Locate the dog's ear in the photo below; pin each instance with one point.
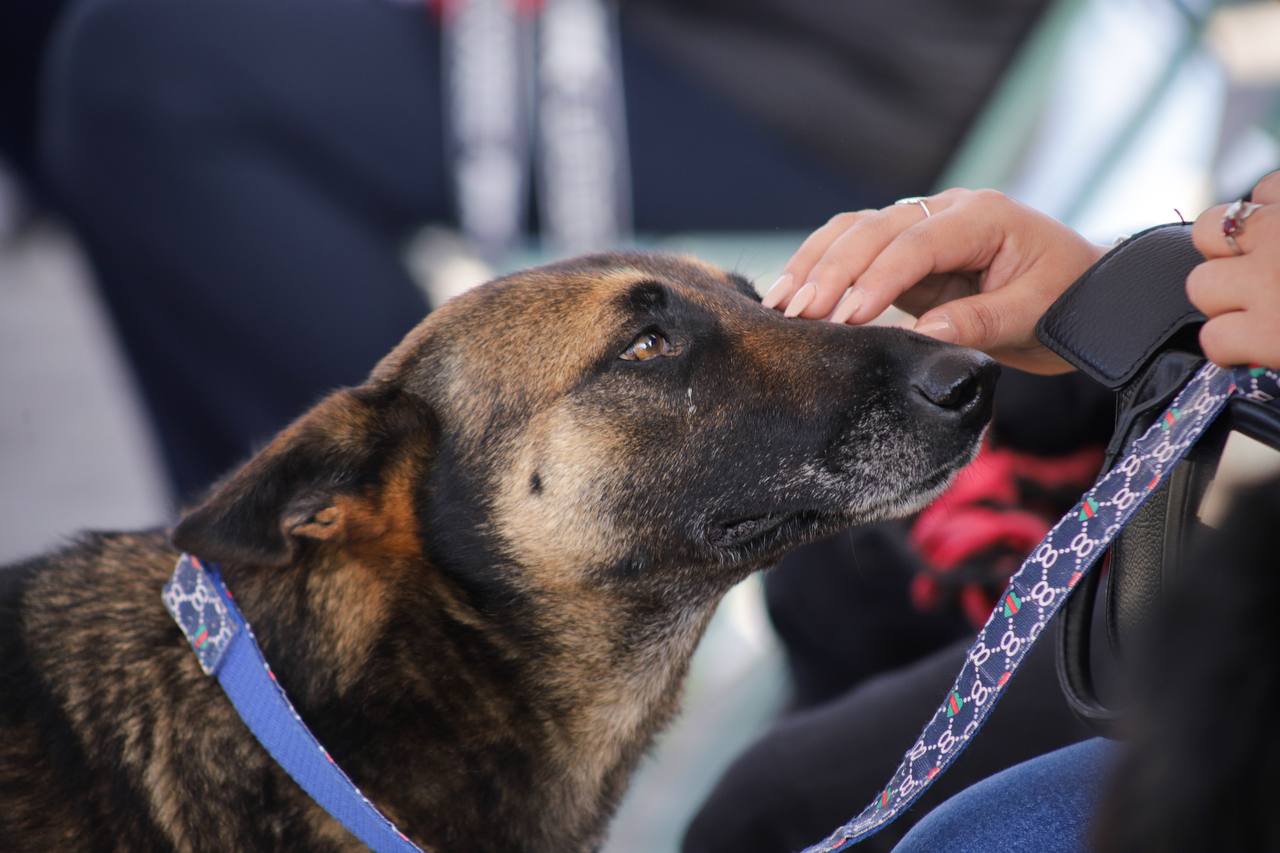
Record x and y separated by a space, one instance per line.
297 487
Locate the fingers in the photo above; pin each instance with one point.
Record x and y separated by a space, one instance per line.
1241 337
975 240
957 239
992 321
857 264
1267 190
1208 236
834 255
850 254
1206 233
1219 286
796 272
1241 298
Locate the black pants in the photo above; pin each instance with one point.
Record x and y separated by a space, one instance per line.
243 174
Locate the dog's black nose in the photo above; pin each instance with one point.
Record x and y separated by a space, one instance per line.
959 381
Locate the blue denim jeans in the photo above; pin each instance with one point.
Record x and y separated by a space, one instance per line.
1042 805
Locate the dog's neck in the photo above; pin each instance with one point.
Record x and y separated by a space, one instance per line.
481 711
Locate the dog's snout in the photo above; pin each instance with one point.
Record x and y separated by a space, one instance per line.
958 381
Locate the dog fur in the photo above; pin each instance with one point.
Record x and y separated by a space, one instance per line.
480 575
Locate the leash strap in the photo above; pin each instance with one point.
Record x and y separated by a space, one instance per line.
225 646
1043 583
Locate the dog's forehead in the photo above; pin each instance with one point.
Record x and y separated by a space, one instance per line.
540 328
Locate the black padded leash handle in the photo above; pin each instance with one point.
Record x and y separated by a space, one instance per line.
1128 324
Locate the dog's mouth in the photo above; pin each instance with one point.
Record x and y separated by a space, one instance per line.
763 532
771 532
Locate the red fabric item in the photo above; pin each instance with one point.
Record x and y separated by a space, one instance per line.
968 530
973 537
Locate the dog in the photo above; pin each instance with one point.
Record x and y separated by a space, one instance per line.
479 575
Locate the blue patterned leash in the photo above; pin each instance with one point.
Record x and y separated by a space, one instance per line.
1043 583
224 643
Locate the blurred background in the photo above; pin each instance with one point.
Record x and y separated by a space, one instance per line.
213 212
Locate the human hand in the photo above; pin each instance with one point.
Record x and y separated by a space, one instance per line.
1240 293
979 271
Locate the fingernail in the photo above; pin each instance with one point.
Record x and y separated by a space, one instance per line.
801 300
938 329
847 306
776 291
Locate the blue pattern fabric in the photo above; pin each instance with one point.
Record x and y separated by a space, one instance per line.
194 603
1044 581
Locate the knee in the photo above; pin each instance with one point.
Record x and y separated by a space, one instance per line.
104 57
117 72
1045 804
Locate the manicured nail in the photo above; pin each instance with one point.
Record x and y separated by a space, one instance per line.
801 300
939 328
774 294
847 306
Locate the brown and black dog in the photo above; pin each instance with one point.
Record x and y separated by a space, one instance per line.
481 574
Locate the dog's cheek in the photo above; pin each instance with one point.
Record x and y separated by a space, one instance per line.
555 498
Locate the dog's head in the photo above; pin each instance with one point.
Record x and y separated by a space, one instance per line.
618 419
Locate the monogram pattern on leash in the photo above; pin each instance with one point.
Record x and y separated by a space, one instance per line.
1043 582
204 609
195 605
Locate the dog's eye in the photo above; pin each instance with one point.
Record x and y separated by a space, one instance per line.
646 346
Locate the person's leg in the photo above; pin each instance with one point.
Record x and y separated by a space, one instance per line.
25 28
698 163
242 173
817 768
1044 805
